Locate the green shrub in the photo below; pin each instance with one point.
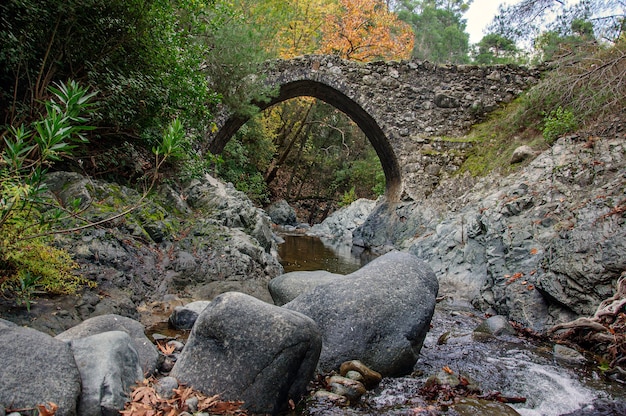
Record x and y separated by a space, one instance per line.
28 260
348 197
558 123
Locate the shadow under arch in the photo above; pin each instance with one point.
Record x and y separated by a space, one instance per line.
311 88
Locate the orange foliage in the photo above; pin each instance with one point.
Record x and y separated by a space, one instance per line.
365 30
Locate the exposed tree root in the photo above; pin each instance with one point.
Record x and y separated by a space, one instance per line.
604 333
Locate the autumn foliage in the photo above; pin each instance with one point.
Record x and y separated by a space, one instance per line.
364 30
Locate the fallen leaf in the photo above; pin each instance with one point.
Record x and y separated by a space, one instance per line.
166 349
44 411
448 370
533 251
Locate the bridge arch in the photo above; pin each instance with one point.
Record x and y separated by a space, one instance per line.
399 105
328 94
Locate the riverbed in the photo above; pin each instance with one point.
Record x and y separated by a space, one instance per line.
508 365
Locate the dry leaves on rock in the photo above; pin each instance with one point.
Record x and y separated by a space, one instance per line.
146 402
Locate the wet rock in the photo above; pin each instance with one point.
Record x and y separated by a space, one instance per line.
148 354
496 326
343 386
569 355
334 398
36 368
601 407
379 314
472 407
185 316
249 350
370 377
288 286
109 367
281 213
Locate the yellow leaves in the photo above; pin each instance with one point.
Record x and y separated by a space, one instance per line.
364 31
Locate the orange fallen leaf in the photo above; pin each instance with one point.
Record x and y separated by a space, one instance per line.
531 287
448 370
44 411
533 251
166 349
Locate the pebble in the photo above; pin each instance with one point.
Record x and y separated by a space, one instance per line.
343 386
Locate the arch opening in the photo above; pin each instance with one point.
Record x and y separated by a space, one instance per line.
335 98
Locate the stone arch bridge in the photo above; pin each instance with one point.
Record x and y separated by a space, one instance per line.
400 105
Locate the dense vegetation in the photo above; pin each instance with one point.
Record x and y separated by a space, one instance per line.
125 90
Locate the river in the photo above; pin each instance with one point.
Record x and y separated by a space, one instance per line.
510 365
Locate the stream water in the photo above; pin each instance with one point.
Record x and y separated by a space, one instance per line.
513 366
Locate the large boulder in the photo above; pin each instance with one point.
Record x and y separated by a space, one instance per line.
340 224
246 349
379 314
36 369
288 286
281 213
109 367
148 354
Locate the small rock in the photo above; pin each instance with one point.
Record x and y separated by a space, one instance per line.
192 403
496 326
355 375
570 355
370 377
178 346
185 316
167 364
350 389
165 387
522 153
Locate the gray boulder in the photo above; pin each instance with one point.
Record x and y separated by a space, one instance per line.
185 316
36 369
340 224
379 314
246 349
288 286
282 213
148 354
109 367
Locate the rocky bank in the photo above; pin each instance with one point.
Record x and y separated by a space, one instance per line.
541 246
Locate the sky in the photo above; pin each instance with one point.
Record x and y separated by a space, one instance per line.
480 14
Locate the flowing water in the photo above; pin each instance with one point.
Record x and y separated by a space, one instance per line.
509 365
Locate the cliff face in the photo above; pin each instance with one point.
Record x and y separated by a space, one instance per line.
543 245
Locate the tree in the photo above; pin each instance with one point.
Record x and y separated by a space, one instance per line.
302 33
364 30
495 49
527 19
143 57
439 29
